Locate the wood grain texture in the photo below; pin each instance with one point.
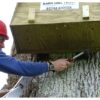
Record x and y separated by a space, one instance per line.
56 16
56 31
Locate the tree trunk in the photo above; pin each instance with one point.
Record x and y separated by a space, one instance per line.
81 79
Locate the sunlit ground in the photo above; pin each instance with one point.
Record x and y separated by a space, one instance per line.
3 79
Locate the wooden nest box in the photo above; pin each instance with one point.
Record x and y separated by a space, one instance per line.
54 30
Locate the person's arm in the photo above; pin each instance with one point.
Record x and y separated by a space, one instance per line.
11 65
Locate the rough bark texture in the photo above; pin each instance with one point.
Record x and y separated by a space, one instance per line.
82 79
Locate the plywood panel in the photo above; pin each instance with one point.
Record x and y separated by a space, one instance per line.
56 31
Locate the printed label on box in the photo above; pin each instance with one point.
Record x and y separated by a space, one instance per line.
59 5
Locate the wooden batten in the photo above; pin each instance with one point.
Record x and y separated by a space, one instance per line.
85 11
31 15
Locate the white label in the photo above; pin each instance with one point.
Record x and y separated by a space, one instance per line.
58 5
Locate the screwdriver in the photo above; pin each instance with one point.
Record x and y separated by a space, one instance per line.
76 56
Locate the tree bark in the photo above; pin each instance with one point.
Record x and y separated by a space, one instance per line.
81 79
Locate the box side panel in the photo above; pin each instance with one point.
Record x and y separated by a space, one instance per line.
57 37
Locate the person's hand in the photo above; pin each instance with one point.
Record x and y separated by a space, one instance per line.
60 64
